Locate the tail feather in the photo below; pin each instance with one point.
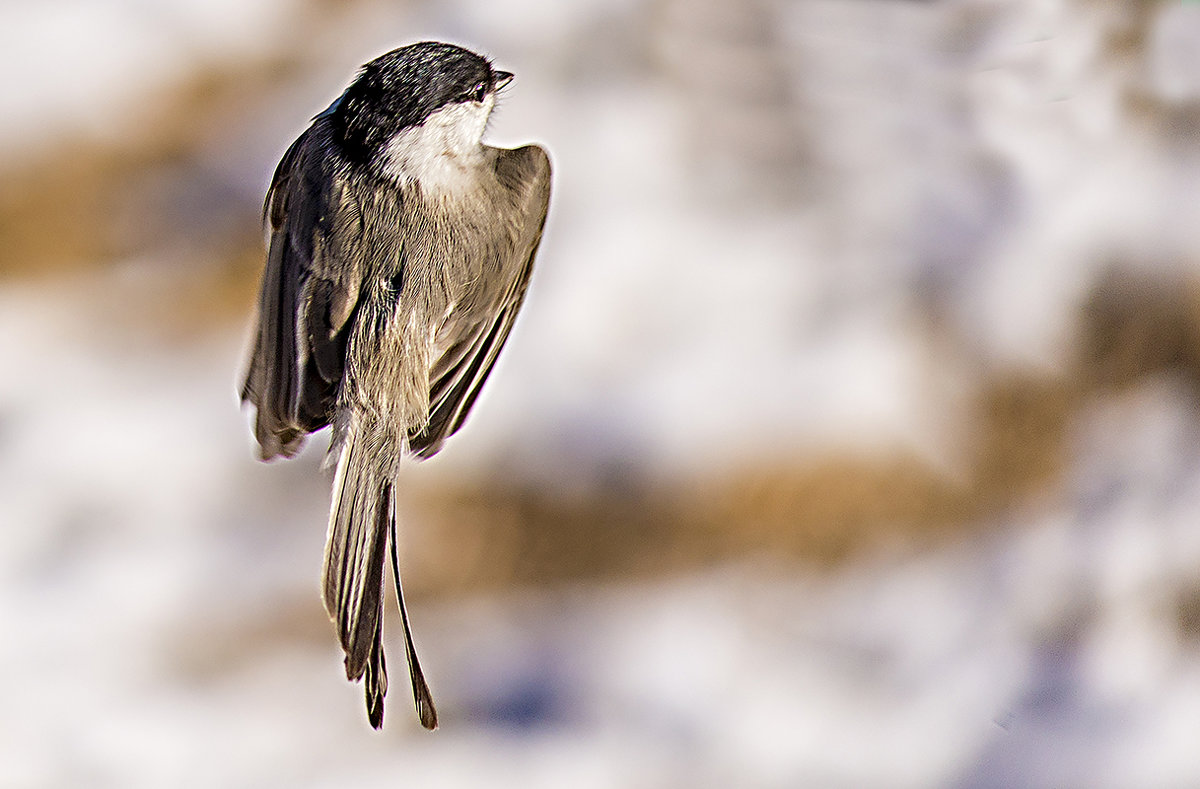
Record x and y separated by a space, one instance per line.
375 681
354 557
362 521
422 698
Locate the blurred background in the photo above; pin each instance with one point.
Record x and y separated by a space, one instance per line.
848 437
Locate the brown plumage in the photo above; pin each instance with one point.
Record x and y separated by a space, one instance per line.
400 252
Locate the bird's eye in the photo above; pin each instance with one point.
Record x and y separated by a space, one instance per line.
478 92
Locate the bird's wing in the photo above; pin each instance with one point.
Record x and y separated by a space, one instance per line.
458 375
306 302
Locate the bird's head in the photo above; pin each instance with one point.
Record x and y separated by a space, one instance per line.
429 93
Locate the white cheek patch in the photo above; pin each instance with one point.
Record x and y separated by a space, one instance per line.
438 153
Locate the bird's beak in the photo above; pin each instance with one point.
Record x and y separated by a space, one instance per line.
503 78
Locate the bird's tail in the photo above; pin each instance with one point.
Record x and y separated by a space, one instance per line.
362 521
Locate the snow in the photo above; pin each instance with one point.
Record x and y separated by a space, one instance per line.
89 65
158 587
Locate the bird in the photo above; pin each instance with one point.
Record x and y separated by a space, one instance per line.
399 252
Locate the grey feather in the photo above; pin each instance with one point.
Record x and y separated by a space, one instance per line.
384 306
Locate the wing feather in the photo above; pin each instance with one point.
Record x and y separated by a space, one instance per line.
458 376
304 312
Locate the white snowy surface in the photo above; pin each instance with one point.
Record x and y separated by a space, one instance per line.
146 561
91 66
144 556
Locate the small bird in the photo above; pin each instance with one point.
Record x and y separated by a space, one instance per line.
400 252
